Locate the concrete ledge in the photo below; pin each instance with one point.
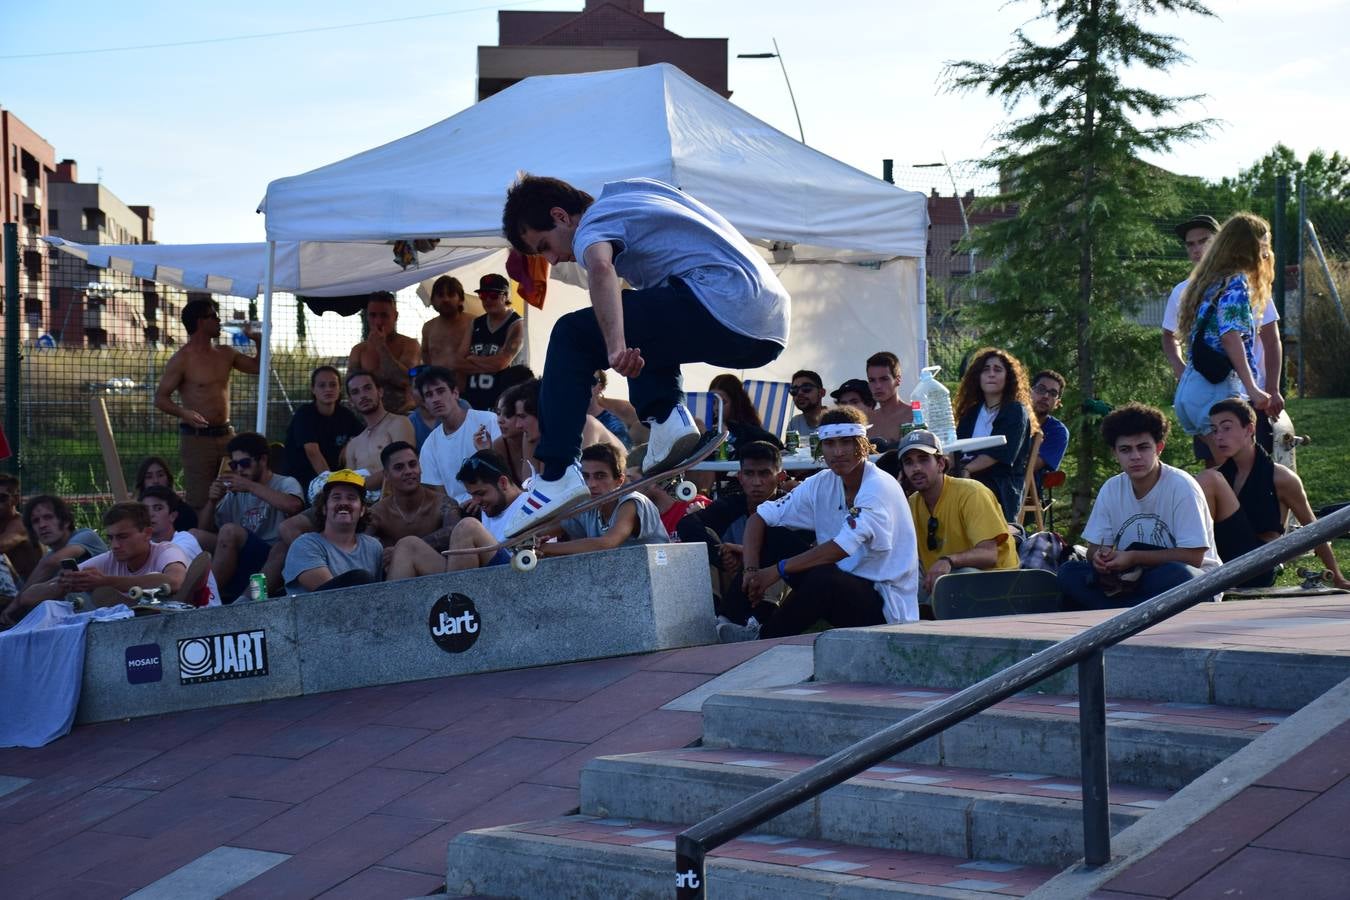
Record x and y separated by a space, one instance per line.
594 605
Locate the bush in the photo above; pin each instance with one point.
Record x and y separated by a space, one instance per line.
1324 333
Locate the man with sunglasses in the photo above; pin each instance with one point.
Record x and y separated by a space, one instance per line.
958 521
492 343
1047 391
808 393
245 508
385 353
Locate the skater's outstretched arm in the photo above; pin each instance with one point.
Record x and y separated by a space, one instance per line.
607 301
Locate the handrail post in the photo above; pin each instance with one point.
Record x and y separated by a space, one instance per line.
1092 743
691 875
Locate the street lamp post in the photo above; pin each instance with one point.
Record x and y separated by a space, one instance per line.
779 56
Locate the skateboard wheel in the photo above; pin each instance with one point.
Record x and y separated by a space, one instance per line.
134 592
686 490
524 560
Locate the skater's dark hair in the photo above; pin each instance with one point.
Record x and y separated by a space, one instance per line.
1134 418
485 467
132 511
528 202
1236 407
612 456
760 451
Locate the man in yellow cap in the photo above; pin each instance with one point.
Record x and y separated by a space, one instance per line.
336 555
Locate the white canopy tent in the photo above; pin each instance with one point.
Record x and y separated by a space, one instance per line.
849 247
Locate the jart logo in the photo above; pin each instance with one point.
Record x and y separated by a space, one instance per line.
143 664
222 657
454 623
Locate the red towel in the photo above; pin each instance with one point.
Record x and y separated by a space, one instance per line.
530 273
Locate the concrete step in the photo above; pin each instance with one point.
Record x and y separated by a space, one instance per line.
1151 744
585 857
1025 816
926 654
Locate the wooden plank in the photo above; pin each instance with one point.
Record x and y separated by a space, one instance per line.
108 445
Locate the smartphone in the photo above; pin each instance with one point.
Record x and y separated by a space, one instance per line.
69 564
224 467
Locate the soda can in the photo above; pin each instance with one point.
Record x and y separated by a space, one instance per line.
815 446
257 587
794 440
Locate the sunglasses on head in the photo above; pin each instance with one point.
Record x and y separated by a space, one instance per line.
417 370
245 463
477 462
932 533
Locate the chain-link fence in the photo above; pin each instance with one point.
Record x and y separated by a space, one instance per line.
1316 321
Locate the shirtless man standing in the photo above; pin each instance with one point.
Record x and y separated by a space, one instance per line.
200 372
386 353
883 378
443 335
382 428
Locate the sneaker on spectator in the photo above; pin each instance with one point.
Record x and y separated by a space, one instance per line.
193 580
546 498
670 441
731 633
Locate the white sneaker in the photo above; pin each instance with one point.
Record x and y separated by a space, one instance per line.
731 633
546 498
670 441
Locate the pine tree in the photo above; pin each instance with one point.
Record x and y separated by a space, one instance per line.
1084 248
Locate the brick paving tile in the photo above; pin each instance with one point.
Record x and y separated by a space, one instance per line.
1258 872
378 883
498 719
79 889
299 739
1209 842
241 734
88 743
1318 827
164 771
608 709
657 730
571 682
169 731
65 822
441 707
43 870
1316 768
291 709
477 781
331 862
335 762
363 707
713 659
346 802
34 799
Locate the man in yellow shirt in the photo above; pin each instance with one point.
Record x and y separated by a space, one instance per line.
958 521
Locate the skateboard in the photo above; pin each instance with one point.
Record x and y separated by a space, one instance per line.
1315 583
1286 442
1003 592
522 546
149 604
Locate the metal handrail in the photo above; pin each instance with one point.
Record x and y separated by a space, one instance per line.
1084 649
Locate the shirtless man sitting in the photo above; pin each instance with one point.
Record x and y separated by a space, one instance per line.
443 335
386 353
408 506
382 428
883 380
200 372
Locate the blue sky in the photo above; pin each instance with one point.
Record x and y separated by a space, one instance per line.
197 131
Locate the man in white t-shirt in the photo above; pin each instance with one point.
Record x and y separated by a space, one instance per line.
1150 528
162 505
452 440
700 293
864 569
1267 350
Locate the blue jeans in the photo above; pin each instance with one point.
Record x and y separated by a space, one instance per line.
1078 581
670 326
1196 394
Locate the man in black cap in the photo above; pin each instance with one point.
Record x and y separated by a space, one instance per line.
1267 350
492 344
855 393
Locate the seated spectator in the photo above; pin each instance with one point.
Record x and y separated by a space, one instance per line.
452 441
511 445
421 419
50 524
958 520
994 399
721 525
1266 491
495 495
161 505
382 428
1149 530
385 353
14 541
855 393
739 417
1047 391
522 404
409 507
245 509
863 569
336 556
808 395
154 472
604 415
493 343
134 561
630 519
320 429
624 411
890 412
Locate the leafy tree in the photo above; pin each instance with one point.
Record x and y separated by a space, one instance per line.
1084 248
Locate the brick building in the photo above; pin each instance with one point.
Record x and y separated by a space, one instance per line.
29 163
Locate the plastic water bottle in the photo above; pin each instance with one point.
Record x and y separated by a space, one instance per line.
936 403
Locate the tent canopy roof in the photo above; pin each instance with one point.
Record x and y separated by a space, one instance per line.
449 180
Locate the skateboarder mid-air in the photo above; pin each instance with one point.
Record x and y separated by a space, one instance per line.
699 293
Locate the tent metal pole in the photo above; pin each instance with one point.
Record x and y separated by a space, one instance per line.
923 312
265 349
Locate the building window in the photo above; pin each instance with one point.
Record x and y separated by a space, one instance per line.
52 220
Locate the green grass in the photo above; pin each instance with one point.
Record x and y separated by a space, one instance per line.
1322 466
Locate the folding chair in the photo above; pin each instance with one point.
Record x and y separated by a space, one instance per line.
773 403
704 407
1031 499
